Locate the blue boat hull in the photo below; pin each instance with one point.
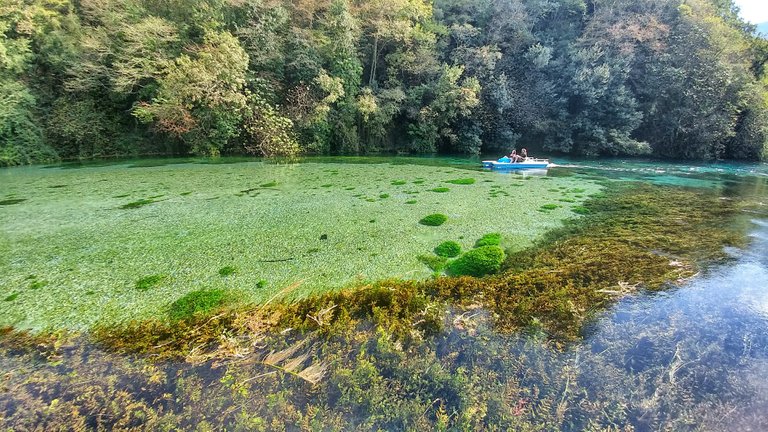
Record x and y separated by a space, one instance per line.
516 165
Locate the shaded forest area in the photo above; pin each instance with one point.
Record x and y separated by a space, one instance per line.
82 79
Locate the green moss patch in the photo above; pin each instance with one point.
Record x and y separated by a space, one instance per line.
411 202
581 210
12 201
434 262
440 189
269 185
448 249
195 303
478 262
435 219
148 282
490 239
462 181
398 182
138 203
549 207
227 271
37 284
384 196
11 297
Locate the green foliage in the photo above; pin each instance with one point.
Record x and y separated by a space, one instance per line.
148 282
194 303
478 262
21 139
490 239
448 249
436 219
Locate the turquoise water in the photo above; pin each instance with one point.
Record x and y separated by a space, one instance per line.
691 358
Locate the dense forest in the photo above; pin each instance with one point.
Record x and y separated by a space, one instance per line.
83 79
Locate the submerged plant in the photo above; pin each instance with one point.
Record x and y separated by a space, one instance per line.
148 282
227 271
490 239
138 203
434 262
462 181
478 262
436 219
440 189
448 249
12 201
195 302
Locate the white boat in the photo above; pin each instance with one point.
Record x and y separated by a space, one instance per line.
529 163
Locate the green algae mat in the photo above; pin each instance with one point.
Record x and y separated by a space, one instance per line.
120 242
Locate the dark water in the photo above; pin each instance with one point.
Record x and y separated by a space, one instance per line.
690 358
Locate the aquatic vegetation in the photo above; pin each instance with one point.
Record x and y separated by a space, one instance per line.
440 189
435 219
269 184
398 182
549 207
490 239
478 262
212 221
227 271
12 201
462 181
448 249
436 263
580 210
11 297
384 196
138 203
195 303
37 284
148 282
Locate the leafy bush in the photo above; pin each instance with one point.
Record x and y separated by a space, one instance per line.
436 219
478 262
196 302
448 249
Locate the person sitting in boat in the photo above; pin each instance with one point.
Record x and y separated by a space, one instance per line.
523 155
514 157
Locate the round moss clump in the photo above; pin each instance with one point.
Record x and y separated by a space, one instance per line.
436 219
196 302
491 239
448 249
478 262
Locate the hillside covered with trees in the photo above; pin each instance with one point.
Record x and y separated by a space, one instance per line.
81 79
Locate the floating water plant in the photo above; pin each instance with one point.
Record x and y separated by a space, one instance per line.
462 181
478 262
12 201
436 219
440 189
148 282
227 271
490 239
195 302
448 249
